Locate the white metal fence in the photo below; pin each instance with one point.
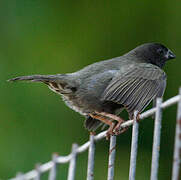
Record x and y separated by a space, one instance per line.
51 166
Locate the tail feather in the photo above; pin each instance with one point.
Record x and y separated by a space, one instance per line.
59 83
38 78
92 124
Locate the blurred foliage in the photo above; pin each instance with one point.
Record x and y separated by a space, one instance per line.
48 37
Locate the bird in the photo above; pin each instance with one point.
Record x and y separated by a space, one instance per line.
102 90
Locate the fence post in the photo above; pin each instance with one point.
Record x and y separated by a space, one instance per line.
112 155
134 147
156 140
38 172
177 148
90 167
72 165
53 170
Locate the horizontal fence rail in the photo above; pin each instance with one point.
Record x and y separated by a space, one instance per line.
51 166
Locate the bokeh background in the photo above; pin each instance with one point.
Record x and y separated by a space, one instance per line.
49 37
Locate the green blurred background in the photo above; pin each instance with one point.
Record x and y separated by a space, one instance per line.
49 37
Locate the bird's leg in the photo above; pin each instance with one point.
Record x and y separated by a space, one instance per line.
105 120
92 133
116 129
138 117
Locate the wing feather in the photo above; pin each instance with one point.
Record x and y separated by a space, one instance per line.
144 96
136 88
121 89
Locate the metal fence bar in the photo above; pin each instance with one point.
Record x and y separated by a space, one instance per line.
19 176
150 112
177 148
38 172
90 167
112 155
72 165
134 147
156 141
65 159
53 170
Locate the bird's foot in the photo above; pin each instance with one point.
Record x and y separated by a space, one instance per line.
107 119
121 130
138 117
118 130
92 133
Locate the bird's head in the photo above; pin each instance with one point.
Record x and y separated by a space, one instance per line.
154 53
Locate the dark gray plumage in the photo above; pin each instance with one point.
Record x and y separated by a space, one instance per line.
128 82
136 87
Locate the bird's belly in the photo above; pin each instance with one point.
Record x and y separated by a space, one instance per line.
87 98
73 105
87 106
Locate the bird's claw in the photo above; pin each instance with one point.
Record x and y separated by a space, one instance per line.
115 130
121 130
138 117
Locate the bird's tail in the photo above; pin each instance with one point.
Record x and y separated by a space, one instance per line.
58 83
92 124
37 78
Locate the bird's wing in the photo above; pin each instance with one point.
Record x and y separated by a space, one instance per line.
136 87
160 93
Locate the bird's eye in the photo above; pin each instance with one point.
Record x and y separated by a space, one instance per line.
160 51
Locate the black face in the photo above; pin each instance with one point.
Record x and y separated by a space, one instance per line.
154 53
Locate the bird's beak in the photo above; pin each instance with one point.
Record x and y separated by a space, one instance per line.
170 55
